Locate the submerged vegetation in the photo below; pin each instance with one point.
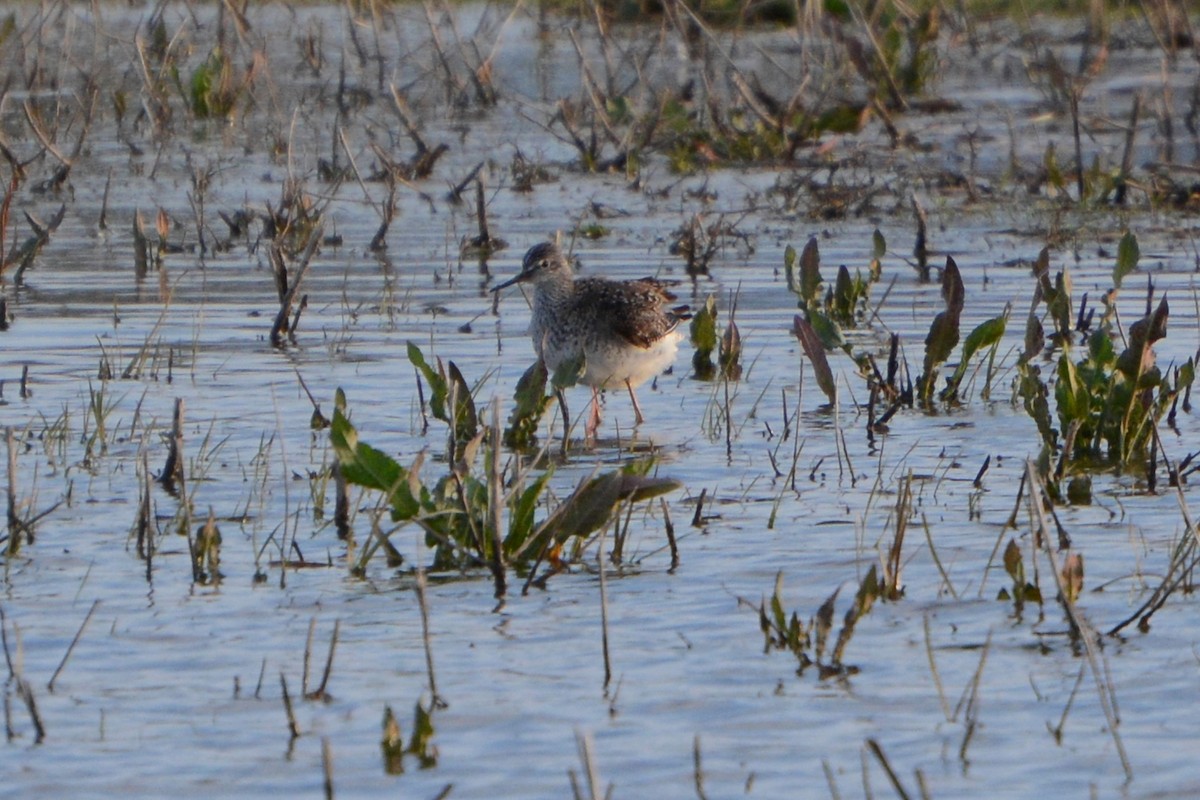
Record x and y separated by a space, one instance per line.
215 218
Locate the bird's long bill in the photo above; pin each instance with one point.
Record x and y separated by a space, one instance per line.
517 279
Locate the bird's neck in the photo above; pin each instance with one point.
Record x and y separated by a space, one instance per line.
553 291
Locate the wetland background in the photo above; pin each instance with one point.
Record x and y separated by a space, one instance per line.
217 215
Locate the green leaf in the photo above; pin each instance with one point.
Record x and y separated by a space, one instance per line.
591 505
439 390
828 331
730 356
1128 253
810 342
789 269
202 80
777 603
363 465
704 339
823 623
531 403
520 522
845 296
1059 304
568 372
1013 564
868 593
986 334
953 291
879 245
809 282
1185 375
1035 339
939 344
466 419
421 743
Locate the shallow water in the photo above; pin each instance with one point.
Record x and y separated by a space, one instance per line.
175 686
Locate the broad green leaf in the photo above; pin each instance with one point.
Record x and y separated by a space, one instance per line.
939 344
1185 375
420 745
986 334
823 623
363 465
1035 339
845 296
789 269
1128 254
1013 564
439 390
568 372
777 602
810 272
953 291
1138 358
868 593
466 419
828 331
531 402
704 339
520 522
810 342
730 357
592 503
1059 305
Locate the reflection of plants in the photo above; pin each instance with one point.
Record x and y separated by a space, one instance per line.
809 643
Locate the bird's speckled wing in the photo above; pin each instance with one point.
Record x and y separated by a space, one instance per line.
635 311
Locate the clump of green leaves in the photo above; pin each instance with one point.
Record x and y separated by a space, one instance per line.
810 643
842 304
1109 398
458 514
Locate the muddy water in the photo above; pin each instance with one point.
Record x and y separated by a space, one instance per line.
176 687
